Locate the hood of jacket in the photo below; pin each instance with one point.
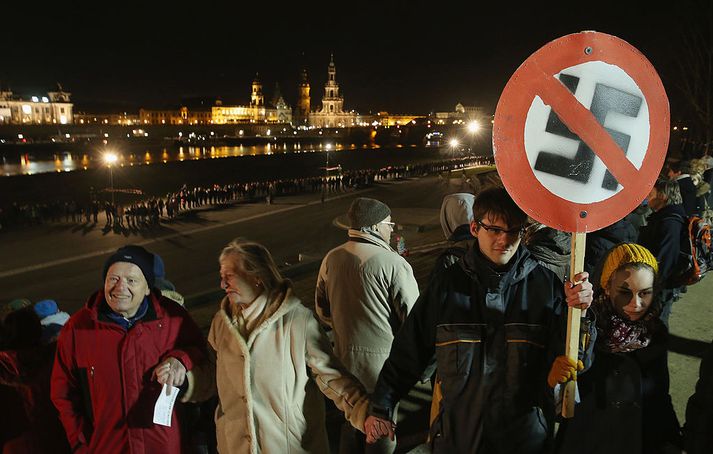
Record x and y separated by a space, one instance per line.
548 245
456 215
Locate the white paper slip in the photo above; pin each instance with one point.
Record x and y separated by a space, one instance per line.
164 406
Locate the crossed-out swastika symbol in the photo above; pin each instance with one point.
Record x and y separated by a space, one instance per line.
579 168
581 131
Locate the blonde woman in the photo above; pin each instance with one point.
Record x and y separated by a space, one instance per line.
272 359
625 403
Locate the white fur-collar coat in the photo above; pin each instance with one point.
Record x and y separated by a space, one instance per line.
268 385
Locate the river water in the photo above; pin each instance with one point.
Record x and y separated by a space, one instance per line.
32 162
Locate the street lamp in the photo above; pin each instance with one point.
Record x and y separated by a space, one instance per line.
327 147
110 159
473 126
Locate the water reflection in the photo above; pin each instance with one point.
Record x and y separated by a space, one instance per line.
30 163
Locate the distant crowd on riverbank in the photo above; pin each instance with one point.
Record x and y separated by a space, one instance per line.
149 212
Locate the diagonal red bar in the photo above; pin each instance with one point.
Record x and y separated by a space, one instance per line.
580 121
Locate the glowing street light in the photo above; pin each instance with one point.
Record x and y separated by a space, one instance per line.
473 127
454 143
110 159
327 147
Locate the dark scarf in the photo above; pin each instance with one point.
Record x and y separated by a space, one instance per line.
120 320
618 334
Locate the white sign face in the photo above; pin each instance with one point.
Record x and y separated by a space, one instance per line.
564 164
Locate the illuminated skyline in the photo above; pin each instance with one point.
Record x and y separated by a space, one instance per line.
395 56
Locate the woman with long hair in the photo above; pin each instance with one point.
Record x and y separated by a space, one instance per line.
272 359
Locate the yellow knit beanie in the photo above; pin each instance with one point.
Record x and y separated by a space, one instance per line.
625 254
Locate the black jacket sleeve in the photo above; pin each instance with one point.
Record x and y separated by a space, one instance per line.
411 352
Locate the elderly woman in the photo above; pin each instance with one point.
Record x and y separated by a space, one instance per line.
272 360
625 403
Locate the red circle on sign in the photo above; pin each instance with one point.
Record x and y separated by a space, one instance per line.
536 77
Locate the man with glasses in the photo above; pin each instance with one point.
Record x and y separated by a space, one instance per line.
495 321
364 293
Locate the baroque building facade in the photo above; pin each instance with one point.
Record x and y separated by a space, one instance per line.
255 112
332 114
55 108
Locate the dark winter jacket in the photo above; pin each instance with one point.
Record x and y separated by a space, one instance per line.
550 247
601 241
688 195
625 404
662 236
494 336
698 432
102 383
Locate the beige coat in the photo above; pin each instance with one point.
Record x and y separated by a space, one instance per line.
364 292
268 386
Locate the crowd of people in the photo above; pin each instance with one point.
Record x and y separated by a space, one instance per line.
487 329
145 212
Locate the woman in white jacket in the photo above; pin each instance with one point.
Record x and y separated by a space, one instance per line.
272 359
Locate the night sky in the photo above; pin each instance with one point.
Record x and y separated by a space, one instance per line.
402 57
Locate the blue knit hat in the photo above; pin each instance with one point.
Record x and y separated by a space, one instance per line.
159 269
45 308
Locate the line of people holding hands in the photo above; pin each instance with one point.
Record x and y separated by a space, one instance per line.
489 328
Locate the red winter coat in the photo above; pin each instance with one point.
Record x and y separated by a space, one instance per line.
102 382
28 371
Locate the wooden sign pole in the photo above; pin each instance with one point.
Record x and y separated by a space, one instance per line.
576 265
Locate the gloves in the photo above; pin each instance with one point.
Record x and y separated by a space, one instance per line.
563 369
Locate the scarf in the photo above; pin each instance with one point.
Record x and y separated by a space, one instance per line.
120 320
248 316
619 334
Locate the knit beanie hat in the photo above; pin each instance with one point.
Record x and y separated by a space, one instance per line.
625 254
12 306
45 308
159 269
136 255
365 212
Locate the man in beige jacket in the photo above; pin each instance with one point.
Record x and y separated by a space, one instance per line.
364 293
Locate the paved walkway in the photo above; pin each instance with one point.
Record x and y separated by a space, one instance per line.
51 249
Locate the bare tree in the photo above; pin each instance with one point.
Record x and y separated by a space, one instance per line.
696 72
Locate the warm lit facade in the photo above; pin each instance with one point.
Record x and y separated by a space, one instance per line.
255 112
160 117
55 108
124 119
461 114
182 116
332 114
303 102
387 119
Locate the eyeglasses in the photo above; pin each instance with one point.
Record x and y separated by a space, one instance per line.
389 223
494 230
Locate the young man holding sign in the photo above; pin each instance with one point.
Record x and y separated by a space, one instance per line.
495 321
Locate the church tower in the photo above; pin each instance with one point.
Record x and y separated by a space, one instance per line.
256 97
332 102
303 102
332 115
